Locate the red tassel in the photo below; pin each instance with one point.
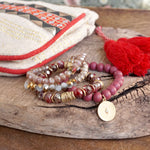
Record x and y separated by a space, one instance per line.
128 55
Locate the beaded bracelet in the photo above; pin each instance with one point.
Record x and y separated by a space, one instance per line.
48 84
106 109
71 94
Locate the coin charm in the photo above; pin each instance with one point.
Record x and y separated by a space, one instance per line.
106 111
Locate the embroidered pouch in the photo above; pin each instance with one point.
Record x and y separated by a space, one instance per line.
33 33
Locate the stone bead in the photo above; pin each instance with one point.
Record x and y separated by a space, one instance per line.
72 89
47 97
41 75
58 88
60 64
57 98
88 89
45 87
112 89
64 85
45 80
52 87
97 97
51 80
78 93
93 66
116 85
62 76
68 73
39 80
107 94
48 73
26 84
57 79
54 67
100 67
107 68
39 88
113 69
40 95
88 97
117 73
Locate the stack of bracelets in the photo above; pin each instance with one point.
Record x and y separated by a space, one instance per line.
61 88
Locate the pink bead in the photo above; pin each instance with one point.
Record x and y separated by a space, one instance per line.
93 65
57 79
113 69
107 68
100 67
62 76
116 73
116 85
97 97
88 97
107 94
120 81
72 89
112 89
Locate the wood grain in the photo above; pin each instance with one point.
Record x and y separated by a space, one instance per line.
78 119
11 139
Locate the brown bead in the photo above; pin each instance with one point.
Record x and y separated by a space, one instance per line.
54 67
78 93
60 64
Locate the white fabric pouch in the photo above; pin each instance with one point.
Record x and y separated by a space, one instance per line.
34 33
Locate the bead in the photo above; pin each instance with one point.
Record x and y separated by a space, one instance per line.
52 87
116 73
88 97
107 94
57 98
78 93
41 75
54 67
91 77
47 97
48 73
60 64
69 84
39 80
88 89
97 97
116 85
93 65
45 87
72 89
45 81
112 89
62 76
58 87
67 73
100 67
57 79
39 88
26 84
107 68
113 69
40 95
64 85
51 80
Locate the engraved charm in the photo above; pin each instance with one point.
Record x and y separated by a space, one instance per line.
106 111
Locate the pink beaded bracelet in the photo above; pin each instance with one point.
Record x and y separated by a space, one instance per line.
106 109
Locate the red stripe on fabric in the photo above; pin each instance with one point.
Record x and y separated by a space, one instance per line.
45 46
23 71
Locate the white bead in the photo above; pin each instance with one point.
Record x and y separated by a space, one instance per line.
64 85
52 87
39 88
45 87
58 88
26 84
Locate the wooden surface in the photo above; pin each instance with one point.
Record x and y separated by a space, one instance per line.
8 142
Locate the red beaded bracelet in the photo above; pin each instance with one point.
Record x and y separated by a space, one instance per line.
106 109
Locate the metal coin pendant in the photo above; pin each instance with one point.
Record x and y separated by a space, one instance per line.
106 111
